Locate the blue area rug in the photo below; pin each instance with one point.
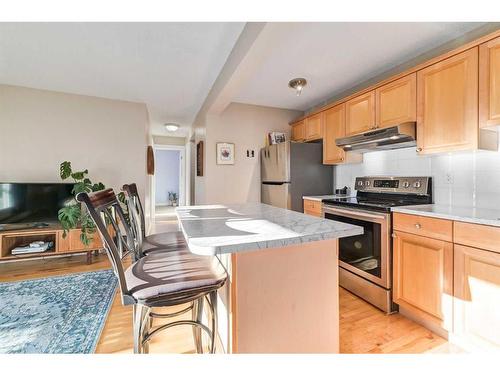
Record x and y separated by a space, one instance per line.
63 314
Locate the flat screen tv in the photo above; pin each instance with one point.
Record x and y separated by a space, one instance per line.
25 205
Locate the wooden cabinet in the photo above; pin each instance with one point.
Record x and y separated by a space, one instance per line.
489 83
423 278
312 207
333 128
69 244
447 104
298 131
314 127
360 113
438 229
477 298
396 102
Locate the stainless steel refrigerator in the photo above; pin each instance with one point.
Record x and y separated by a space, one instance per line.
291 170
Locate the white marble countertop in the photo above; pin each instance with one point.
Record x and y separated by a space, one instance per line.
321 197
466 214
219 229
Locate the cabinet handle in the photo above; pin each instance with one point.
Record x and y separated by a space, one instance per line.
418 226
342 159
393 235
419 149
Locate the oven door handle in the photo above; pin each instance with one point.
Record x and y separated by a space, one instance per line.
352 213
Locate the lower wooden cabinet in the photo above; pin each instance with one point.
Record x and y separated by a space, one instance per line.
423 278
477 298
312 207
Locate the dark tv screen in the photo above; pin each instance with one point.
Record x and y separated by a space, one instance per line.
32 202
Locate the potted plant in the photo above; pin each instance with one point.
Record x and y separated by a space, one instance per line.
172 197
73 215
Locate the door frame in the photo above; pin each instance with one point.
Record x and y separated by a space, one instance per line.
182 175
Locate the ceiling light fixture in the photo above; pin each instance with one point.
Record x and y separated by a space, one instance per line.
297 84
171 127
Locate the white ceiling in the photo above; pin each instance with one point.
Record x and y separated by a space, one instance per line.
334 57
172 66
169 66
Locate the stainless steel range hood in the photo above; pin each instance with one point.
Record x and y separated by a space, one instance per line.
399 136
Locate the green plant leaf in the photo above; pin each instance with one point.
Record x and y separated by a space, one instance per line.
65 170
80 175
69 217
98 186
81 187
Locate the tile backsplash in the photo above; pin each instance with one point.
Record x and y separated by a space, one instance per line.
461 178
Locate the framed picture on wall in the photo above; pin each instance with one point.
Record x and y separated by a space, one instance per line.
225 153
199 159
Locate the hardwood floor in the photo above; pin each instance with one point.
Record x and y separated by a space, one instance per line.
366 329
363 328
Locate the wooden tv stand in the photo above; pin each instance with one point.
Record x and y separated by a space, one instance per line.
69 245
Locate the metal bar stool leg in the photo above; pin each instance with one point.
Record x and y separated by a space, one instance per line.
197 316
139 320
213 307
145 329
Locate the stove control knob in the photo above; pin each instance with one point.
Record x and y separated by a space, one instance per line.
406 184
360 183
367 183
417 184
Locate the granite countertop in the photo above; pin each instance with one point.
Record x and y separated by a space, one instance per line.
219 229
474 215
322 197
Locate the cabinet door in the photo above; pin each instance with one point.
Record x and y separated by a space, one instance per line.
75 244
298 131
489 83
314 127
360 113
312 207
423 277
396 102
334 128
447 104
477 298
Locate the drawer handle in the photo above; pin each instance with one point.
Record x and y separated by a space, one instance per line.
418 226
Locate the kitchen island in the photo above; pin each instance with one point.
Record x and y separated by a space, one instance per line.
282 291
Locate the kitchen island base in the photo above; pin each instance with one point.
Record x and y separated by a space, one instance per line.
282 300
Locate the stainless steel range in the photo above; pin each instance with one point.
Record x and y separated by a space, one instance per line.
366 260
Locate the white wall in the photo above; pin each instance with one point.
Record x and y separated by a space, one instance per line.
461 179
246 126
167 169
40 129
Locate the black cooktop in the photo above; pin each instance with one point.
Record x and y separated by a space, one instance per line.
378 201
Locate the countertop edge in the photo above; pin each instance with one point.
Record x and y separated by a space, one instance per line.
269 244
446 216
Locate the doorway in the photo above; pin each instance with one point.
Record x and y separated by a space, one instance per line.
169 181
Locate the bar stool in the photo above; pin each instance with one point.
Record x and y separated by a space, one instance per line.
163 279
167 241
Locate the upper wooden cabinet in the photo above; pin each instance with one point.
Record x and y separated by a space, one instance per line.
314 127
396 102
333 128
447 104
489 83
298 131
423 278
360 113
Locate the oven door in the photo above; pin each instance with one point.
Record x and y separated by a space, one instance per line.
367 254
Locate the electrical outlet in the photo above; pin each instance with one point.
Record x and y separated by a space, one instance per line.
449 178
